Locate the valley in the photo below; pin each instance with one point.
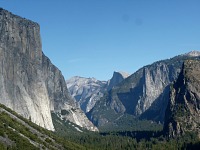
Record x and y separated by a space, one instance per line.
156 107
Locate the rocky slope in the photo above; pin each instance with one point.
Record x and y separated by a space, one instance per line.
29 83
87 91
183 111
143 95
17 132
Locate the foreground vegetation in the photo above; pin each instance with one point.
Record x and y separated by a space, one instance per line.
20 133
124 140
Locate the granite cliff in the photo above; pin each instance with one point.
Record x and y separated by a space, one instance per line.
183 110
143 95
29 83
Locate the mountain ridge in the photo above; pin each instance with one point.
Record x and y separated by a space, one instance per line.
140 92
87 91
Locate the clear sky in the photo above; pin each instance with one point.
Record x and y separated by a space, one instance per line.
93 38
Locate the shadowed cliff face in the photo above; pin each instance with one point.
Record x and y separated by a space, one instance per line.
143 94
136 94
29 83
183 111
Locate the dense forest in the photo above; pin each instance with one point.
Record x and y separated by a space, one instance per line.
15 134
124 140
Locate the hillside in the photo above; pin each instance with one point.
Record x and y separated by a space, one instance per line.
17 132
157 107
143 95
183 111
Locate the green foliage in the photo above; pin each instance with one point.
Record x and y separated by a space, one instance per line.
48 140
122 140
129 123
2 146
20 135
11 128
64 112
69 138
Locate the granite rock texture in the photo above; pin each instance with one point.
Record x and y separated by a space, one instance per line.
88 91
29 83
183 111
144 94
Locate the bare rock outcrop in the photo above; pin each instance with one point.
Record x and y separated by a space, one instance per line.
183 111
29 83
143 95
88 91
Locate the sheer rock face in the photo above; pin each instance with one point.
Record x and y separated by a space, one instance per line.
87 91
183 111
143 94
29 83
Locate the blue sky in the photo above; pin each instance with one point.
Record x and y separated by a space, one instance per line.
93 38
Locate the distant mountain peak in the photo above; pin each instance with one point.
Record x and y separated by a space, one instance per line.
193 53
117 77
124 74
86 91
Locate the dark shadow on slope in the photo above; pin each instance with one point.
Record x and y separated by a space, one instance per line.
84 104
138 135
193 146
130 99
157 110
